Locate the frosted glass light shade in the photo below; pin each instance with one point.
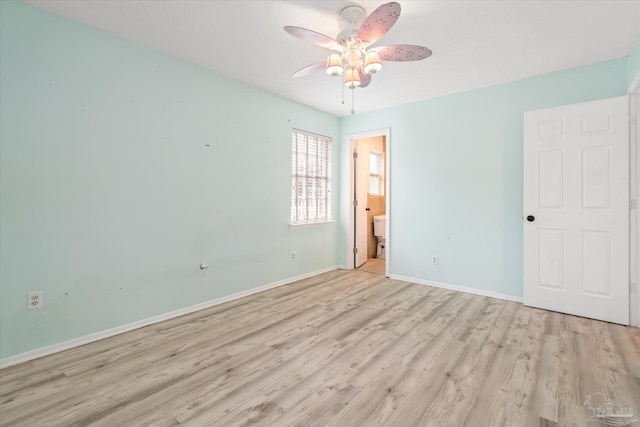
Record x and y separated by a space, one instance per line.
372 63
352 78
334 65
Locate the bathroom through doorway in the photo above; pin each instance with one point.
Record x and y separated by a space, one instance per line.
370 202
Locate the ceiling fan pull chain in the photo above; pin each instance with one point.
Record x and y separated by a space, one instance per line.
342 94
353 96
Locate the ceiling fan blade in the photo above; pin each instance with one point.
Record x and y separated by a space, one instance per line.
379 22
403 52
313 37
365 79
309 69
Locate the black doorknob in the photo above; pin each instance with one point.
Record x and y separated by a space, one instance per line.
531 218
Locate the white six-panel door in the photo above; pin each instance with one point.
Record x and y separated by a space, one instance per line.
576 211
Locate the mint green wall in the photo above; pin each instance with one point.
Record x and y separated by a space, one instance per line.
109 197
633 63
456 175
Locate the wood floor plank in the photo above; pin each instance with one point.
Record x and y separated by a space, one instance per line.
626 346
382 398
419 402
438 335
345 348
453 402
189 394
488 407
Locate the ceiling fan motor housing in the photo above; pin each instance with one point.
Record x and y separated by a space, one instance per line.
352 14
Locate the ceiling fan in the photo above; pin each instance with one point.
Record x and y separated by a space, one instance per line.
354 54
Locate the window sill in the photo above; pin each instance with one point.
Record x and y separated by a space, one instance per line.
310 224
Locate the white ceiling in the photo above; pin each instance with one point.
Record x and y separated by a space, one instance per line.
475 43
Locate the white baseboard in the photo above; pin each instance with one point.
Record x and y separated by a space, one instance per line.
458 288
76 342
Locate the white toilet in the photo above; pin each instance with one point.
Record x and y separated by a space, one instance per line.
379 230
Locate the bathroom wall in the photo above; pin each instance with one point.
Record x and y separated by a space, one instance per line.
121 170
456 164
376 203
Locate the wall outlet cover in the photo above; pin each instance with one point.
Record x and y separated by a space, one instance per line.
34 300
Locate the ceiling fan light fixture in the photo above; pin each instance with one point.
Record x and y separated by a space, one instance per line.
353 56
352 78
372 62
334 65
349 55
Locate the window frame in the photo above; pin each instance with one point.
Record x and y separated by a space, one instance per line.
314 171
378 175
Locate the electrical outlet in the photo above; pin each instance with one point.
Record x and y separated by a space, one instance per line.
293 256
34 300
435 260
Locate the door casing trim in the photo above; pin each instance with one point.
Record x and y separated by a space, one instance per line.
351 142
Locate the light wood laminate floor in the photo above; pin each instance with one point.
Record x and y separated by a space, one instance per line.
345 348
373 265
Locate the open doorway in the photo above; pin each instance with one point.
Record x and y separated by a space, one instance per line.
370 193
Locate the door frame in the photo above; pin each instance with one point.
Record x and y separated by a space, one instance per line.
351 139
634 192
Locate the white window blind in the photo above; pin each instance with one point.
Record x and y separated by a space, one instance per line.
310 178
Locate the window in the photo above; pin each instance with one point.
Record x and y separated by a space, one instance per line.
375 167
310 178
